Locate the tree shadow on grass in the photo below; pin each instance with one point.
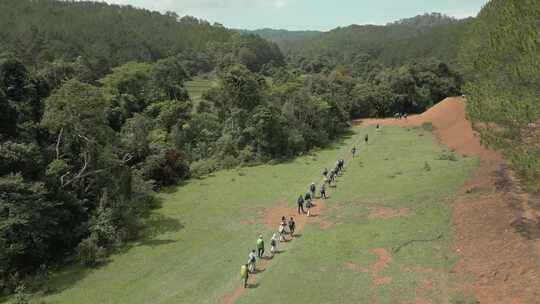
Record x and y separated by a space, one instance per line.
154 226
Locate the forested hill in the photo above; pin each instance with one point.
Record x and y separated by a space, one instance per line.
103 36
286 40
424 36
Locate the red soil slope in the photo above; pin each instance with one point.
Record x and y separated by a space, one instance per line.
448 118
497 243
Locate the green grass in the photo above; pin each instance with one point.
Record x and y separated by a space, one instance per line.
196 88
203 232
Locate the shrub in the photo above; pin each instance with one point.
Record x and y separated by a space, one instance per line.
427 167
89 252
448 155
21 297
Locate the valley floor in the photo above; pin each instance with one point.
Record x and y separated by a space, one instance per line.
409 222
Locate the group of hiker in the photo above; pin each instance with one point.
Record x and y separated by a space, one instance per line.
400 115
287 227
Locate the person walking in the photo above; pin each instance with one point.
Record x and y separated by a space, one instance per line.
273 244
252 260
260 246
283 229
307 199
325 172
300 202
353 152
312 189
244 274
292 226
366 138
323 191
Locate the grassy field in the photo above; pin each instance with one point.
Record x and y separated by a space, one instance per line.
205 230
196 88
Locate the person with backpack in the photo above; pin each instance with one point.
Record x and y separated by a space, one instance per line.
307 199
312 189
338 168
300 202
283 229
244 274
273 244
292 226
325 172
252 260
353 152
331 177
323 191
260 246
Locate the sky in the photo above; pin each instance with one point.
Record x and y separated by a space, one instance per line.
306 14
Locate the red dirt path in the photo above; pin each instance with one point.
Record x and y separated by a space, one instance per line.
497 230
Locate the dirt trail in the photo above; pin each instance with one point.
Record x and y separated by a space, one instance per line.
497 223
271 220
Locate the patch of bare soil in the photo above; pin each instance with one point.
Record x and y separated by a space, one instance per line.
496 240
377 281
384 259
388 213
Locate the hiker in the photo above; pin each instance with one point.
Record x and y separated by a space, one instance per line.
312 189
397 115
292 226
260 246
325 172
244 274
331 178
338 167
366 138
273 244
405 115
300 203
378 126
307 199
353 152
341 164
252 260
283 229
323 191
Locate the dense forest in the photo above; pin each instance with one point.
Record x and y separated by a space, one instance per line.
502 55
425 36
95 116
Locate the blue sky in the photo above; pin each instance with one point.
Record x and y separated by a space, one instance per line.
307 14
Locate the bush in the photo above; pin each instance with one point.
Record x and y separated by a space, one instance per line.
89 252
21 297
427 167
448 155
203 167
